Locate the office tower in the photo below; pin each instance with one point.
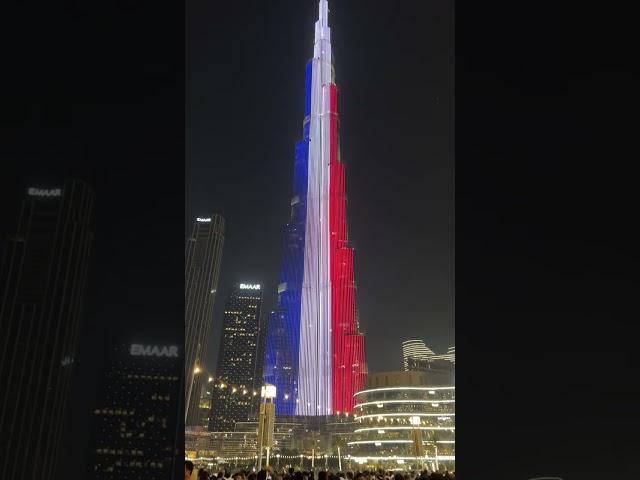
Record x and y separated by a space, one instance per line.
135 420
43 277
237 376
415 352
315 351
202 269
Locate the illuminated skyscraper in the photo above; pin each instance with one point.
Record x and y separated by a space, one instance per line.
238 373
202 269
315 350
43 277
415 351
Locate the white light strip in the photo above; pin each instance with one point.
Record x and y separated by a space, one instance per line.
368 429
315 357
403 401
370 442
373 442
376 415
402 388
444 458
255 457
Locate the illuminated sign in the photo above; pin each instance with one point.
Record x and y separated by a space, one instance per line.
138 350
44 192
249 286
203 220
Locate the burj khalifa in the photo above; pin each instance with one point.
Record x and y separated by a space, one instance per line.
315 351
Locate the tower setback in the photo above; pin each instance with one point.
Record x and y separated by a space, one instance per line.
315 351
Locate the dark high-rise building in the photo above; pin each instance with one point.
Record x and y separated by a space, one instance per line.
137 416
239 371
43 277
202 269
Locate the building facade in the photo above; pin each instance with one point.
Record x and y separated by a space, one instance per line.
315 350
238 371
202 271
43 277
136 419
405 418
415 351
450 356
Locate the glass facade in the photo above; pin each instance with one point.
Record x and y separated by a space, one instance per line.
136 420
238 372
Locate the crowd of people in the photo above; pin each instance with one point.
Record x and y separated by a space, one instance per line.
192 473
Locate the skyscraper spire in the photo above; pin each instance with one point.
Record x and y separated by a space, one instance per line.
323 32
324 13
315 351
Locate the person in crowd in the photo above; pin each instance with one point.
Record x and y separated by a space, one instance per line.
188 469
262 475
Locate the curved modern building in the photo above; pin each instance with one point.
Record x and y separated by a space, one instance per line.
315 350
404 418
414 351
450 356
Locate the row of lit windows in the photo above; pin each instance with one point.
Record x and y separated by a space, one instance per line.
114 412
120 463
130 434
119 451
131 464
151 377
155 396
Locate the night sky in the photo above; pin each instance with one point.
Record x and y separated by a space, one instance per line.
94 96
545 191
394 69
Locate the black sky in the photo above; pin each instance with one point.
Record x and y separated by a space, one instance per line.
546 190
394 69
95 91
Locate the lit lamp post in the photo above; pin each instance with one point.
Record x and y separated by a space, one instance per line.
196 371
265 421
417 440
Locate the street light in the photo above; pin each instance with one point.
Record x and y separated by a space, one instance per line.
265 421
417 439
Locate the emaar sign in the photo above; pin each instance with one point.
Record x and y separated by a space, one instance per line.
44 192
138 350
249 286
